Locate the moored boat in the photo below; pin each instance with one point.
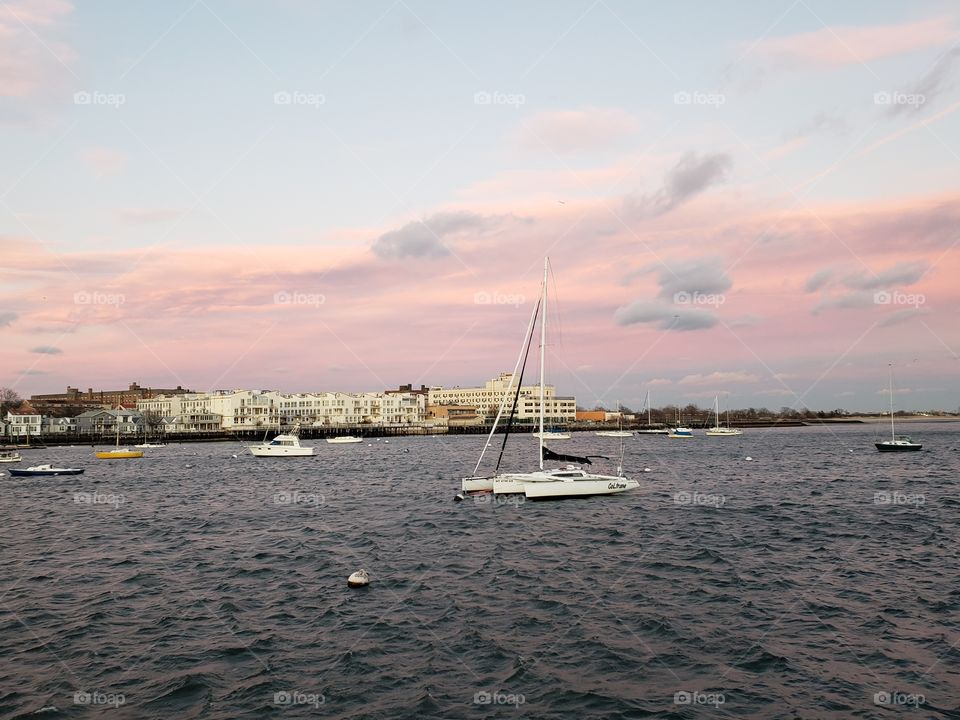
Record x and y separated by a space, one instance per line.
44 470
345 439
287 445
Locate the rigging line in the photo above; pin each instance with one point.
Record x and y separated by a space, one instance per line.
516 396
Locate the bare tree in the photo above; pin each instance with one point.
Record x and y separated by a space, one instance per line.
9 400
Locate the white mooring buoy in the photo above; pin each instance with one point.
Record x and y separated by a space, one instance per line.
358 579
647 470
748 458
459 497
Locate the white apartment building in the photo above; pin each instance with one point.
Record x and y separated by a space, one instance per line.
241 409
487 400
23 425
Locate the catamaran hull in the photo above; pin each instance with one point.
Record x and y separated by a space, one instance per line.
476 485
560 489
38 473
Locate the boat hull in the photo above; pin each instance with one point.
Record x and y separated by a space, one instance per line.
560 489
119 454
890 447
724 433
344 440
476 484
281 451
614 433
57 471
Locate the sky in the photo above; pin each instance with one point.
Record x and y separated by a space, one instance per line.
758 199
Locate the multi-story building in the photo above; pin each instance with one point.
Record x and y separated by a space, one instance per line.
59 425
104 422
74 398
487 400
24 424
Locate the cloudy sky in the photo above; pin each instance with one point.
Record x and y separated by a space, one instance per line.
758 199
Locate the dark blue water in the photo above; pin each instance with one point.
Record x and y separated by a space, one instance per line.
819 580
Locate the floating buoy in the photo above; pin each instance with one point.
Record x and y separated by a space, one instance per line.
748 458
406 450
387 442
647 470
459 497
188 466
234 455
358 579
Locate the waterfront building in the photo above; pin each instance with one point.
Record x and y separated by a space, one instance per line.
24 424
487 400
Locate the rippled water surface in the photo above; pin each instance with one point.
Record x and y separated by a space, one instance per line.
817 580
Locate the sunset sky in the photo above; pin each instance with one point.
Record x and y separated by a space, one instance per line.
756 199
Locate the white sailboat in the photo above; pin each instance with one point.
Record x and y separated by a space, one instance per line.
542 483
649 430
619 432
896 443
717 430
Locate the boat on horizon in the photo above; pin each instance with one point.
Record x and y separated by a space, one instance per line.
649 429
680 431
542 483
896 443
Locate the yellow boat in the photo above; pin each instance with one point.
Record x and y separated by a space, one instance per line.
118 454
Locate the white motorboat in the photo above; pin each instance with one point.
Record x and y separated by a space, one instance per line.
345 439
150 445
542 483
287 445
614 433
10 456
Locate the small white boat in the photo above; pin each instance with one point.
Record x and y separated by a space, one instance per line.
282 446
614 433
653 431
552 435
151 445
344 440
45 470
10 456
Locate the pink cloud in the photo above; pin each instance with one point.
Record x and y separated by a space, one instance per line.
845 45
569 131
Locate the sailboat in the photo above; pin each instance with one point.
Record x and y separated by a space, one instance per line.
117 453
649 430
619 432
680 431
717 430
896 443
543 483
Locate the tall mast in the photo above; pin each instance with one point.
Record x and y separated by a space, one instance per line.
543 350
893 436
648 409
